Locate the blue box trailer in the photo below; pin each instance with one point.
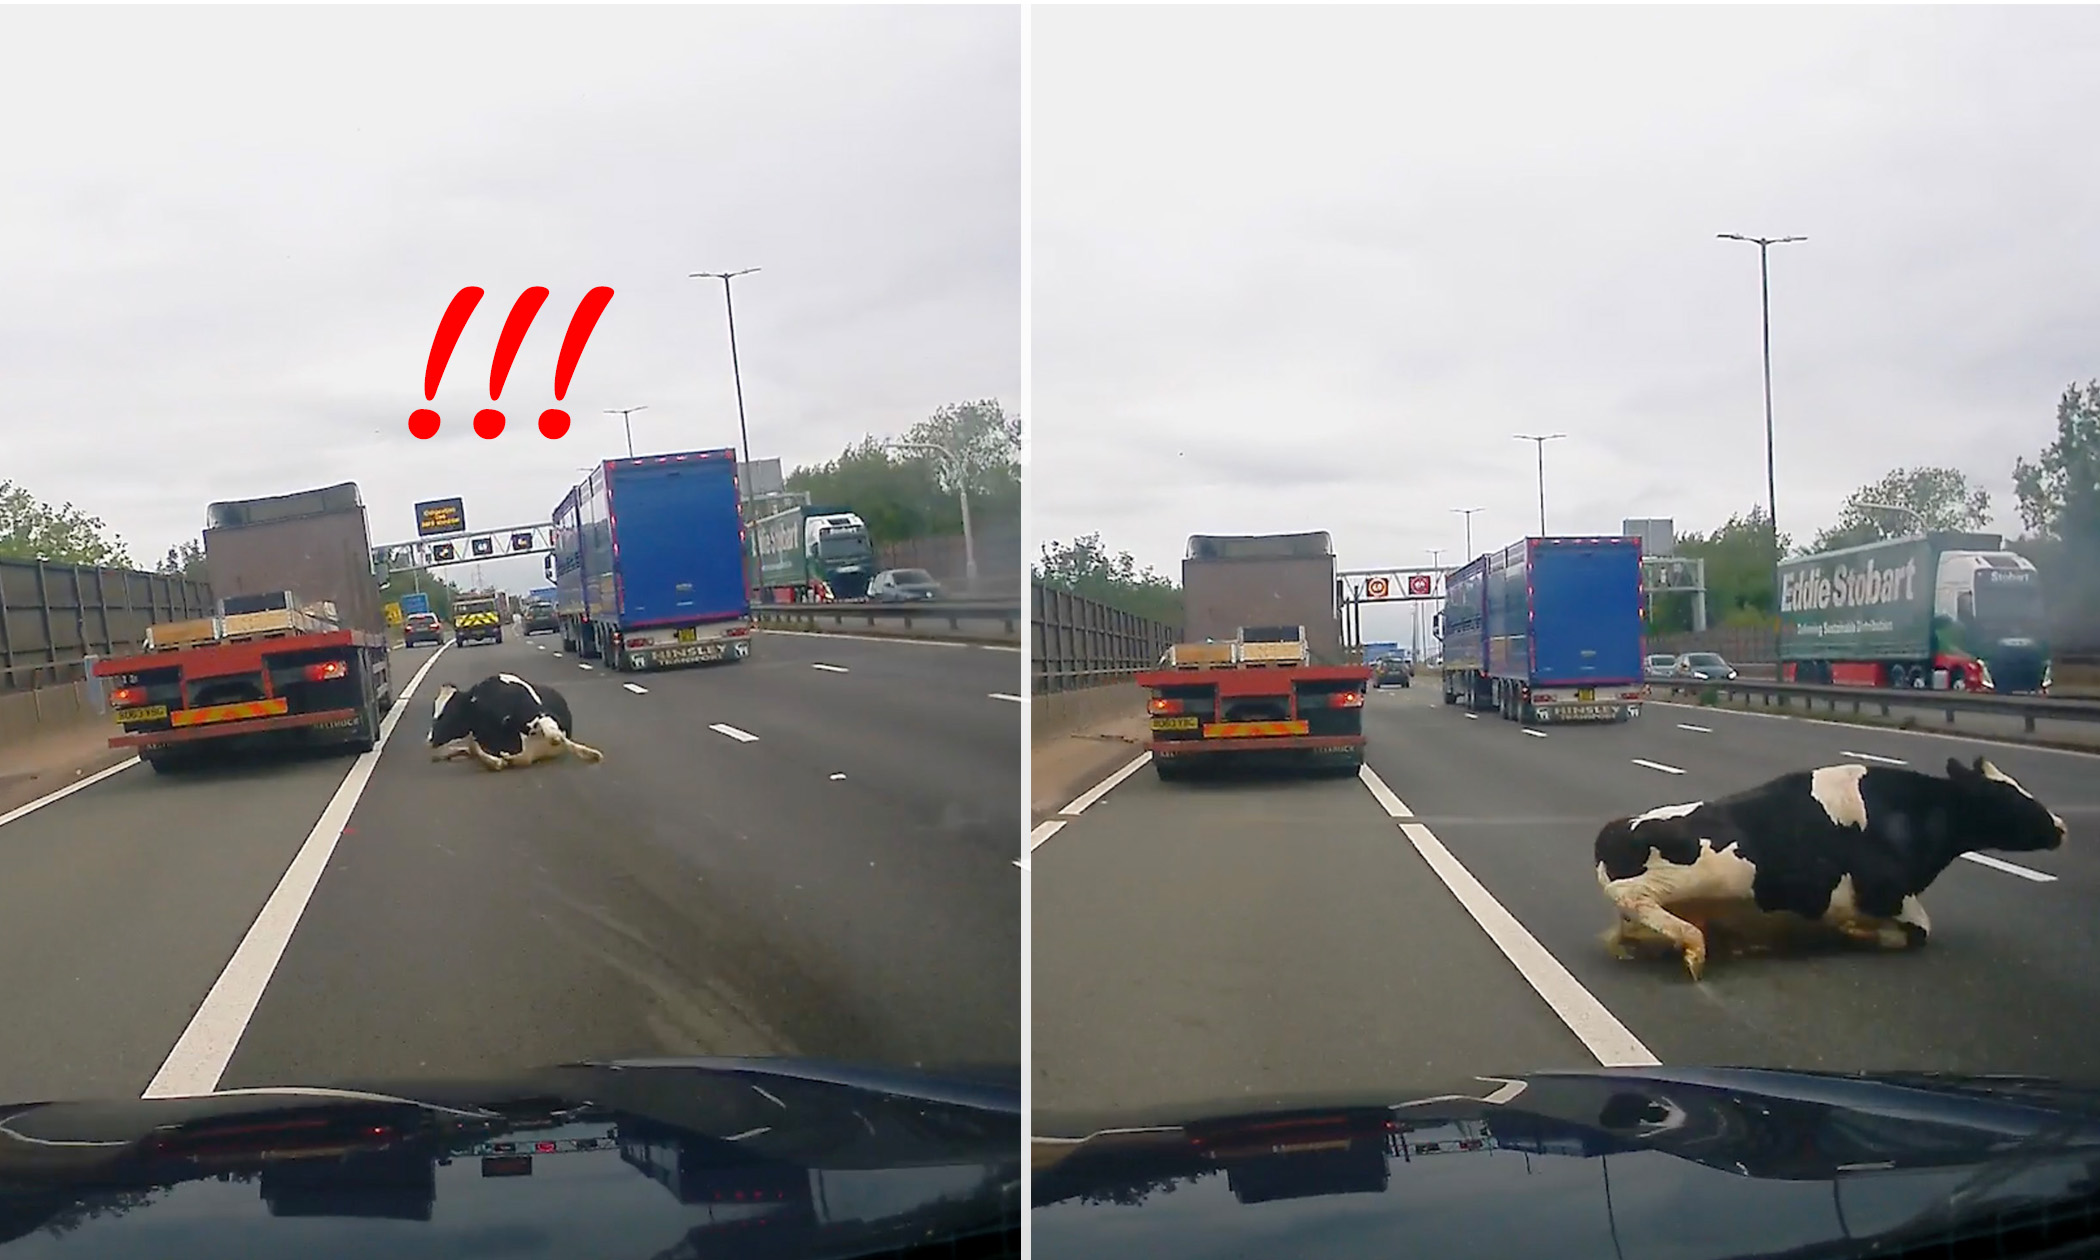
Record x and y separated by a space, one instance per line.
648 562
1547 630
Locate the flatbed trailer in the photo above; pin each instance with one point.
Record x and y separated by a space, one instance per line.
325 686
1206 705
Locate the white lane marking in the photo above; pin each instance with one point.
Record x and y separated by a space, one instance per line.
876 638
1657 765
1535 734
2000 864
202 1052
1856 727
1887 761
541 646
1472 717
830 669
636 688
997 647
23 811
1102 788
1000 695
557 656
1608 1040
1043 831
741 737
582 665
836 777
1687 726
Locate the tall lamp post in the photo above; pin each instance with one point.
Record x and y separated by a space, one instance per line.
1468 514
1764 284
624 413
735 370
1541 439
952 466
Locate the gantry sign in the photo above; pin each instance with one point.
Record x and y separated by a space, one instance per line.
1391 586
442 539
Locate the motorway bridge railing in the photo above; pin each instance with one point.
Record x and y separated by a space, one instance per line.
987 621
1887 699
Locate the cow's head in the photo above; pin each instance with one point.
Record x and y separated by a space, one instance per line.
2006 814
449 718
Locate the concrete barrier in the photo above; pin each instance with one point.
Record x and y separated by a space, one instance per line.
1056 713
27 715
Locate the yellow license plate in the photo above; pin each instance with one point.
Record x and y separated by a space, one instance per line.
1586 694
690 634
1176 723
151 713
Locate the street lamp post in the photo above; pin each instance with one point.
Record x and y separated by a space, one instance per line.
1764 285
735 370
624 413
1541 439
1468 514
953 466
1913 513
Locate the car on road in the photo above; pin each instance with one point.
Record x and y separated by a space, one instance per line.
538 617
897 586
1392 671
1706 666
422 628
1661 666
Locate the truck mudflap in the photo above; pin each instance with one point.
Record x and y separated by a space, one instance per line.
1605 702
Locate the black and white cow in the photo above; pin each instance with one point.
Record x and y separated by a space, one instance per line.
504 721
1847 847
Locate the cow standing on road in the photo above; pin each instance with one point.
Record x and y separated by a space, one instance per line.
1847 847
503 722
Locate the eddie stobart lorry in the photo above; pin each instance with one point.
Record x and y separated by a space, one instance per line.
1261 671
648 562
1949 610
1547 630
295 652
809 554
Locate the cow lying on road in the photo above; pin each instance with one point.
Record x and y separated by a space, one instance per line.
504 721
1846 847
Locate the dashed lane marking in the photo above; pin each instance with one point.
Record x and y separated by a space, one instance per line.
830 669
1534 734
1657 765
2010 868
741 737
636 688
1000 695
1687 726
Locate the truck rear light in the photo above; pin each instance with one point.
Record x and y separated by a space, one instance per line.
738 632
128 697
326 671
1161 705
1346 700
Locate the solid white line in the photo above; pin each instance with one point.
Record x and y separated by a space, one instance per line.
1102 788
742 737
1535 734
1687 726
2000 864
1608 1040
1887 761
1657 765
202 1052
23 811
636 688
1000 695
1043 831
831 669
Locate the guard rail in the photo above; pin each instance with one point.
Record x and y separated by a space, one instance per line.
2028 708
972 622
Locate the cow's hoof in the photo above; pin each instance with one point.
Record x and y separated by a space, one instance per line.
1914 936
1695 961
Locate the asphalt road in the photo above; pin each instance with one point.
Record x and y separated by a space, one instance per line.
807 853
1210 941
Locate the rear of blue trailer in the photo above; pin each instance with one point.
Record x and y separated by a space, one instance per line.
1548 630
649 562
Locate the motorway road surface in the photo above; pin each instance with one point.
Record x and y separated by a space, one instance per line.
1218 942
806 853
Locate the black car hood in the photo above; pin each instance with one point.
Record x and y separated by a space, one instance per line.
1688 1164
643 1158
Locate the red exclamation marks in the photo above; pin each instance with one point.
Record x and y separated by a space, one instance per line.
424 422
554 421
489 422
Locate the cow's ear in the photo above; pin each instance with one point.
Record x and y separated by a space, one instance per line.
1956 770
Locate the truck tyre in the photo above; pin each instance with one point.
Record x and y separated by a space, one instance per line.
164 761
1169 770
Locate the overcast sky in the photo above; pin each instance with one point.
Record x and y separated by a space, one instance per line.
226 237
1312 269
